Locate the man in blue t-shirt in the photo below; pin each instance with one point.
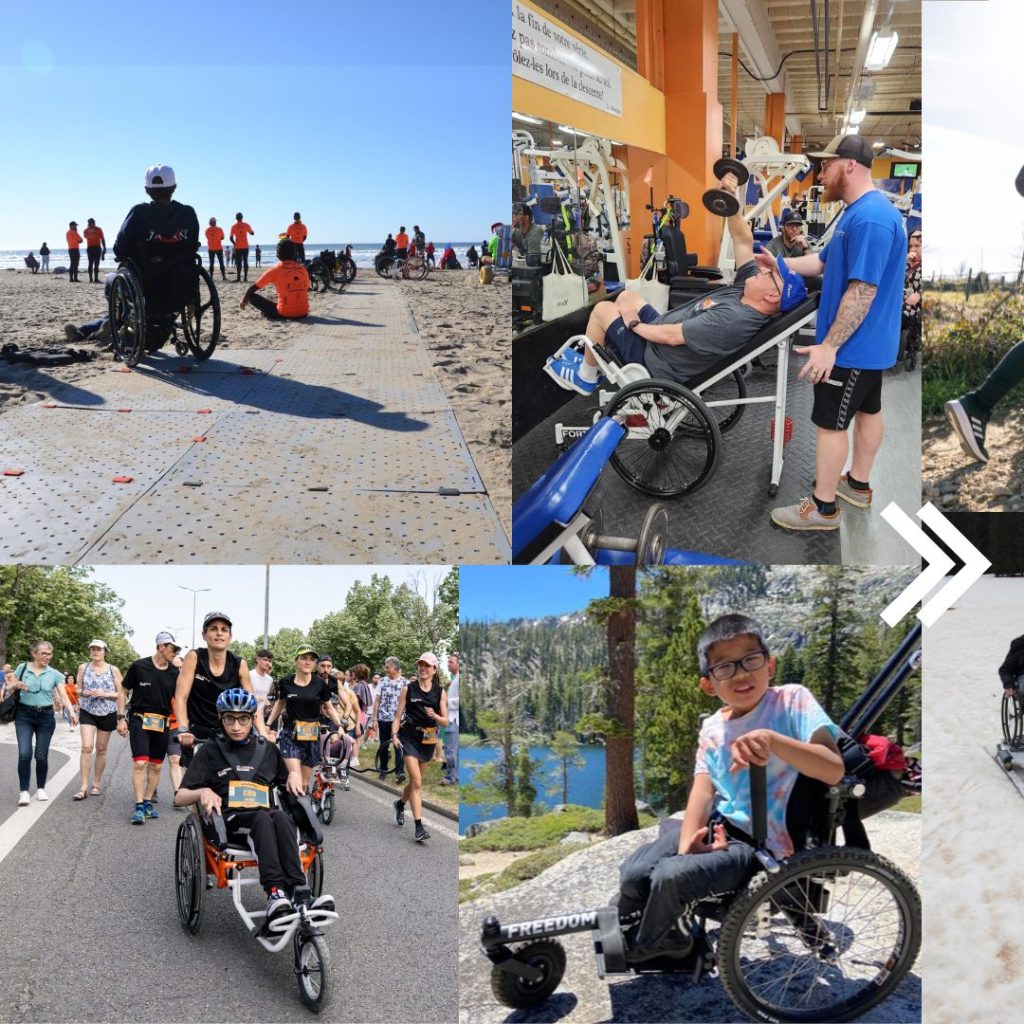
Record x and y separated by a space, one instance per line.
858 332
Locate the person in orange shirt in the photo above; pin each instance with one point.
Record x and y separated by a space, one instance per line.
74 241
291 280
401 243
296 231
215 246
95 243
239 237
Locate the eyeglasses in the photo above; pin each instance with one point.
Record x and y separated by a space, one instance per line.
749 663
236 719
776 280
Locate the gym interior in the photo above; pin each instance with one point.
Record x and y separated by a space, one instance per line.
625 115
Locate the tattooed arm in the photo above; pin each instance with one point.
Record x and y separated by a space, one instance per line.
852 309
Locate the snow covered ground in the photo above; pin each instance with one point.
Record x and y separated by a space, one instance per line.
973 842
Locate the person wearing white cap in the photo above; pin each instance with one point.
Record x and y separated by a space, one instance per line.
165 221
97 684
422 708
858 332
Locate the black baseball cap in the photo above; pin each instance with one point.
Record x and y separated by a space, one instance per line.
790 216
214 616
849 147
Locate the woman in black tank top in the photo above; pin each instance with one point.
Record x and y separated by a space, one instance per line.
422 710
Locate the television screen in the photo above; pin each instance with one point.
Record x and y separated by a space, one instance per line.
904 170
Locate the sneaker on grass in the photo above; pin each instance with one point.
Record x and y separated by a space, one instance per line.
968 423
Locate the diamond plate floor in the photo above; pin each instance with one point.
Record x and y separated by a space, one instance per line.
340 449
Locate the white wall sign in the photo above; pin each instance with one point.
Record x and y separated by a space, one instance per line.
545 54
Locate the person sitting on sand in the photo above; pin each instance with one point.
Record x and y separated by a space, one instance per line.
32 263
449 261
291 280
686 340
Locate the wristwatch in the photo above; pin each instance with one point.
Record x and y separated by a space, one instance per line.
122 718
632 324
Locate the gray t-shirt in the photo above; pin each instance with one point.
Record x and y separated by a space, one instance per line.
777 247
717 323
529 245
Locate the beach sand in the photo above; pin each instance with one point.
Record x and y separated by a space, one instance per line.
973 951
465 326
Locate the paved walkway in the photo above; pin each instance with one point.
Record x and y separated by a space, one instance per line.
342 449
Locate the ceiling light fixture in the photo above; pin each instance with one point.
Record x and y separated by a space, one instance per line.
883 46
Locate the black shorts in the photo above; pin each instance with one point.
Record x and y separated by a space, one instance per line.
412 745
849 392
147 745
105 723
629 347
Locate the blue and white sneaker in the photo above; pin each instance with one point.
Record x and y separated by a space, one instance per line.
565 372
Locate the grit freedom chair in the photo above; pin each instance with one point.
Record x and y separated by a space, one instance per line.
1008 753
204 857
823 935
674 432
151 296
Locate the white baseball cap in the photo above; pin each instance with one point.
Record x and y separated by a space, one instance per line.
163 637
160 176
97 643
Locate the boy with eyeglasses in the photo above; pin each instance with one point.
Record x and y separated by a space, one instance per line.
711 851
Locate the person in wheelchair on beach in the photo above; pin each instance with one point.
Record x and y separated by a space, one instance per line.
780 727
233 775
161 238
688 339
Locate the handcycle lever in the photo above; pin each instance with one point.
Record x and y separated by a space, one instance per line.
759 818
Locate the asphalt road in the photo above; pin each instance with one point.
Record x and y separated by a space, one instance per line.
91 930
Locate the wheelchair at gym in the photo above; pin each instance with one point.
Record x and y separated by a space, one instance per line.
205 858
822 935
155 292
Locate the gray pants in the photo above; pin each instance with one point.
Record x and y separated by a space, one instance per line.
662 883
451 754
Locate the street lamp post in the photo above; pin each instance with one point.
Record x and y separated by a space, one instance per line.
195 590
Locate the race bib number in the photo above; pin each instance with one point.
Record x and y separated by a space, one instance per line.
247 796
154 723
305 731
430 735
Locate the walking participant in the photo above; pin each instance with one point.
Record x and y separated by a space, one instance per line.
95 249
205 674
240 232
422 707
151 682
364 696
262 681
384 709
97 699
301 700
74 240
232 776
215 246
451 730
35 719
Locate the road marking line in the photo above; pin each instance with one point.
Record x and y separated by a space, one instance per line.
13 830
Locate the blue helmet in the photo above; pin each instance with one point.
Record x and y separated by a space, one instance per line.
236 699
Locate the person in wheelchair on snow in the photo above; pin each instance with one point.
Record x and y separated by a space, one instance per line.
686 340
161 238
1011 672
780 727
233 775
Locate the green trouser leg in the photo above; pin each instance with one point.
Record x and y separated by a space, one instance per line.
1006 376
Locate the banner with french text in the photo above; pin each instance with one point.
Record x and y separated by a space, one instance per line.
547 55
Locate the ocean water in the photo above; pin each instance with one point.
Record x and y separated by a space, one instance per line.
362 252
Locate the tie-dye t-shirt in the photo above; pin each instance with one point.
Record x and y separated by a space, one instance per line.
790 710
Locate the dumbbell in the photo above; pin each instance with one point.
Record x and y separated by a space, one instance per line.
649 546
717 200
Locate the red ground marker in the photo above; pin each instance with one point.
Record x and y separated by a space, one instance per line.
123 479
14 472
199 438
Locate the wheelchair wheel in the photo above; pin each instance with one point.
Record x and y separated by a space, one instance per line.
416 268
382 264
327 807
313 970
1013 719
728 389
201 319
190 873
826 938
348 269
672 441
509 989
127 310
315 875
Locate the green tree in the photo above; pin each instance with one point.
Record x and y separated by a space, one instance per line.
833 640
525 790
565 753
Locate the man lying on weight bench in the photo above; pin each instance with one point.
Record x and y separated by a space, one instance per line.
686 340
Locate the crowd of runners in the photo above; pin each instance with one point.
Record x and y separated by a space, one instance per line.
167 705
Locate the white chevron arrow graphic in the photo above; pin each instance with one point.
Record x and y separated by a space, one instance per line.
938 564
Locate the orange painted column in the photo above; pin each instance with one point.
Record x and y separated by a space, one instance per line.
693 115
775 126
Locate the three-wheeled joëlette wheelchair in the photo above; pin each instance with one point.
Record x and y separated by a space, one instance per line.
823 935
